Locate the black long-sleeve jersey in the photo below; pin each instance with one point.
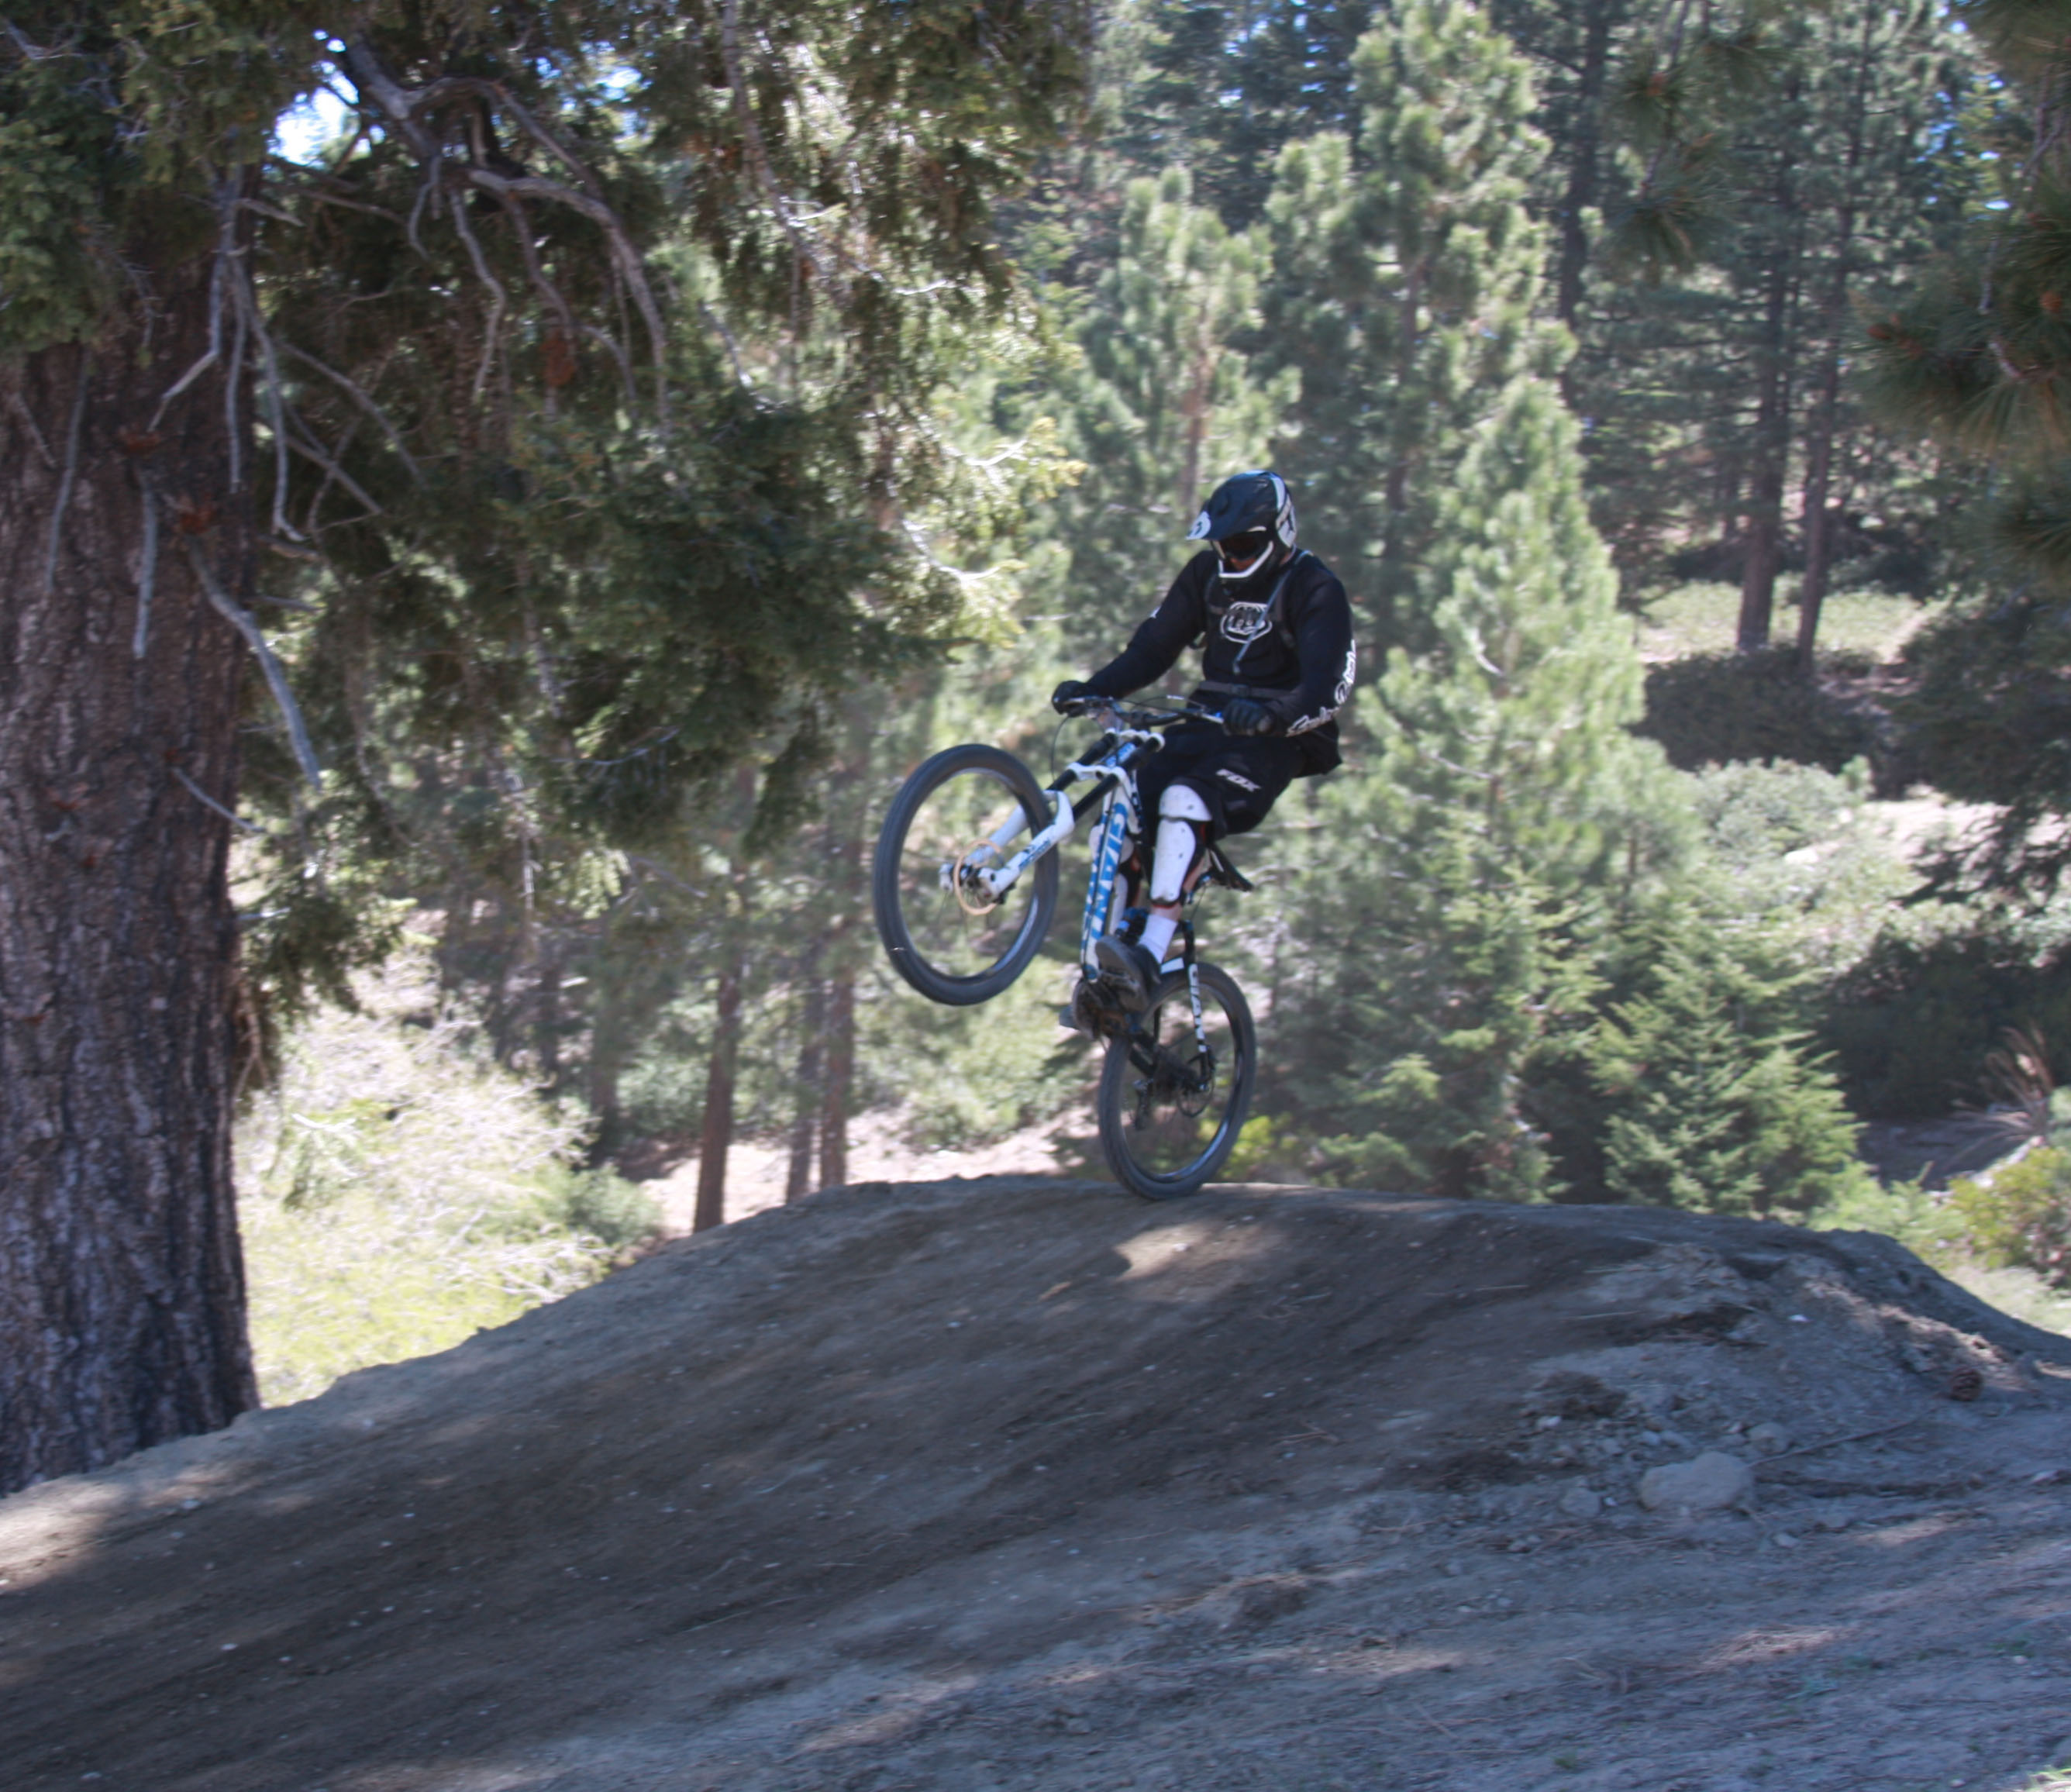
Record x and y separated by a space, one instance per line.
1290 647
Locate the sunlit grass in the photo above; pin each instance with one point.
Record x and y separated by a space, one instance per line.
399 1192
1703 618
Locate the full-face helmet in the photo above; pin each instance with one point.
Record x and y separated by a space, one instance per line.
1249 520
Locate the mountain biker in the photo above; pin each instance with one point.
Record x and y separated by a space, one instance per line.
1277 661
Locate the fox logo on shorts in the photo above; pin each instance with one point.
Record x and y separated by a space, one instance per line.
1245 622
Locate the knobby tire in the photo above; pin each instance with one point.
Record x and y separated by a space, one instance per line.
907 909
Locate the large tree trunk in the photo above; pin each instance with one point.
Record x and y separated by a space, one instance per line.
122 1309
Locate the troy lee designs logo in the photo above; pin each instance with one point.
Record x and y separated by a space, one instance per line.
1245 622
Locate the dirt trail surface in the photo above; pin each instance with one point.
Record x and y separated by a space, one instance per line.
1022 1484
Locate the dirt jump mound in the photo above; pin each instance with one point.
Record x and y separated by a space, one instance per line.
1022 1483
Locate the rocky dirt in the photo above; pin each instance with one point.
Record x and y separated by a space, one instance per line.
1022 1484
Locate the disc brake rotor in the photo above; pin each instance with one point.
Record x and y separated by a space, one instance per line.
972 896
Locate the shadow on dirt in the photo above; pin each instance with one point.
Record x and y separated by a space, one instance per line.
1022 1482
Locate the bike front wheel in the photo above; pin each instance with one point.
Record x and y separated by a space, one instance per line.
967 811
1172 1098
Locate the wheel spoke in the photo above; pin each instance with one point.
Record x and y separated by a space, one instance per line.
1176 1096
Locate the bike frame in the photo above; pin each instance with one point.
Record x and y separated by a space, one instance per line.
1114 773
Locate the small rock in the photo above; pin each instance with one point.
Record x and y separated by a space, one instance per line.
1713 1483
1771 1439
1783 1540
1582 1501
1655 1398
1456 1568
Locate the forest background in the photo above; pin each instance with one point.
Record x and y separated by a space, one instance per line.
1673 387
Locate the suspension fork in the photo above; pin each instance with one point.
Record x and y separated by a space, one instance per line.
1194 985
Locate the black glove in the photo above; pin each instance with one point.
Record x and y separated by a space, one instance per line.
1068 695
1241 715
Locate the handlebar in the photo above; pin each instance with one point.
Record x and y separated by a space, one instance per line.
1113 713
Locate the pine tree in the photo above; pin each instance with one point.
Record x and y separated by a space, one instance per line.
1977 360
611 522
1166 404
1712 1102
1505 813
1406 272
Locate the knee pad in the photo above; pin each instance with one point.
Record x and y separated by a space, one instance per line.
1183 837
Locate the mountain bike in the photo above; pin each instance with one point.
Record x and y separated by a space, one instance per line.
965 885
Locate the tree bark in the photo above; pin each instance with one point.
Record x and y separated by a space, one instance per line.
1819 446
716 1139
1583 171
1771 439
798 1175
840 1075
1818 470
122 1303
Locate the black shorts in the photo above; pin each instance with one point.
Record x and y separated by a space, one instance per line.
1239 779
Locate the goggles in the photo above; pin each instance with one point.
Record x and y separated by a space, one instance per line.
1240 550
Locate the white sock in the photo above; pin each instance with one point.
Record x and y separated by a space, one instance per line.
1158 933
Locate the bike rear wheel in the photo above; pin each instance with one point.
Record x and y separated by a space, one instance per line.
1170 1110
966 810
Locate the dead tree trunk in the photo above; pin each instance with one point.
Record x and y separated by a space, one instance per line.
122 1307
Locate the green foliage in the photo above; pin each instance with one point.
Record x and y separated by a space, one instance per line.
1986 718
1407 279
1711 1102
1164 404
119 121
964 1078
1975 358
1910 1023
399 1192
2020 1214
1438 1039
1917 1218
1711 709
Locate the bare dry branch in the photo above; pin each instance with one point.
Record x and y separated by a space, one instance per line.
276 678
366 403
493 336
203 797
252 319
402 108
302 442
70 475
147 573
29 423
751 134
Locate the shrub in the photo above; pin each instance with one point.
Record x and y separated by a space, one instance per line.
1710 1099
399 1192
1911 1026
1715 708
2019 1216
